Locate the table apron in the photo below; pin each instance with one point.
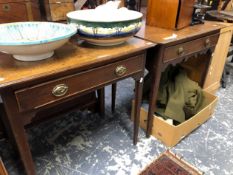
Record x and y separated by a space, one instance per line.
57 90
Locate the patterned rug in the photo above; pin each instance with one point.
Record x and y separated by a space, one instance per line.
170 164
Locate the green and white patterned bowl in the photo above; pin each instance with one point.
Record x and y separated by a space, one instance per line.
32 41
109 30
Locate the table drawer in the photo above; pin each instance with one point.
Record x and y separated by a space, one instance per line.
59 89
188 48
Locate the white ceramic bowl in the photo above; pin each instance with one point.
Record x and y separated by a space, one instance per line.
32 41
106 26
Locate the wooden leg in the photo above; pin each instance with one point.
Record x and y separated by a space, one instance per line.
138 99
101 101
2 128
139 4
2 168
114 88
131 4
224 78
14 121
152 99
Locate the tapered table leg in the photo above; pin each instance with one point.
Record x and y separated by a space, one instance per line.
114 88
155 81
14 120
138 99
101 101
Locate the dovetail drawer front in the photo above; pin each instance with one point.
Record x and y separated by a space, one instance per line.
188 48
59 89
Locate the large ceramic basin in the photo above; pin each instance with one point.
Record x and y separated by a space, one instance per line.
108 27
32 41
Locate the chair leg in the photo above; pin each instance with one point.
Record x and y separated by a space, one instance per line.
224 78
231 59
139 5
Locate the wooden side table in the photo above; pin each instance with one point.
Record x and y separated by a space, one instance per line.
188 42
75 69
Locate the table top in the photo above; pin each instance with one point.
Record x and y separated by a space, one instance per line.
161 35
72 56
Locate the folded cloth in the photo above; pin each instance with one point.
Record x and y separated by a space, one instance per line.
179 98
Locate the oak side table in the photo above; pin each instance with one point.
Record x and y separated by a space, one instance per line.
175 47
76 69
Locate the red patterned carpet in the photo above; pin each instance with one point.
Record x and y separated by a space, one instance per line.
170 164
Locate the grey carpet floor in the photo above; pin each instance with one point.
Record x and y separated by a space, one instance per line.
82 143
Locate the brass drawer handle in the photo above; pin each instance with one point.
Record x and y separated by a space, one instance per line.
120 70
60 90
6 7
207 42
180 51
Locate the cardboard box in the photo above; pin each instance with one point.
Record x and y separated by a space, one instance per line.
169 134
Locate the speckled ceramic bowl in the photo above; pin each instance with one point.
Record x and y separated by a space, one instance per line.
105 31
32 41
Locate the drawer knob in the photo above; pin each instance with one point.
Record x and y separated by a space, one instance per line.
120 70
60 90
180 51
6 7
207 42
